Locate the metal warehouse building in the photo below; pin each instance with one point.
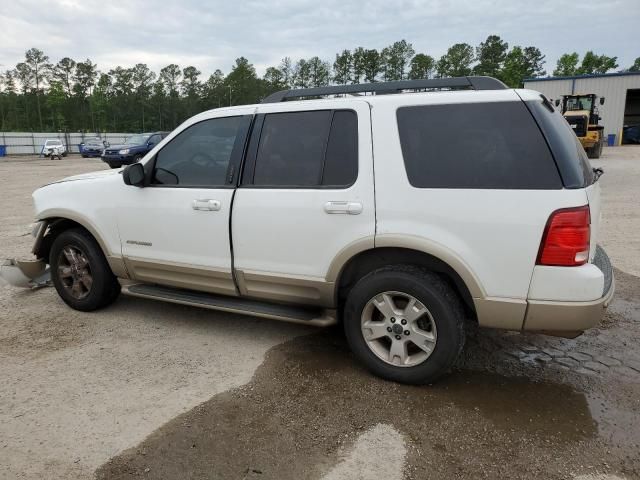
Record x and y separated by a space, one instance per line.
620 90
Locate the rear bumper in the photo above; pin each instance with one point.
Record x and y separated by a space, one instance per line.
567 317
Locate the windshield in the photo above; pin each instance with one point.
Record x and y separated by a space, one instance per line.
53 143
93 141
137 140
579 103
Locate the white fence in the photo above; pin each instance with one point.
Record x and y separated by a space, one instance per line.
28 143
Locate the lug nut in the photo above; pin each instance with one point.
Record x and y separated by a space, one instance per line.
389 329
407 332
393 320
398 337
403 321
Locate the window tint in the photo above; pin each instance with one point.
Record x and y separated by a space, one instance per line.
198 156
570 157
155 139
475 145
306 149
341 162
291 150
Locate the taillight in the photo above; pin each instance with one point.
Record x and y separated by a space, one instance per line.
565 242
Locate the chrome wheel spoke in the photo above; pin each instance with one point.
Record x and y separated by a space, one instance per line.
87 281
423 340
64 271
414 310
76 289
374 330
385 304
398 352
70 255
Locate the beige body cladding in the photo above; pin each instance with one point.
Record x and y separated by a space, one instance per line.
503 313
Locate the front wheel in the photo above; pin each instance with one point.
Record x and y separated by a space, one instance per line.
80 272
404 324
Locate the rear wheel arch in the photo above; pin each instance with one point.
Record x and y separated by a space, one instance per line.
372 259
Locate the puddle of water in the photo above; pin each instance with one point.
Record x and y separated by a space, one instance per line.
310 401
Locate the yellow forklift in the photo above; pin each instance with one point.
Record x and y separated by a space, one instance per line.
582 114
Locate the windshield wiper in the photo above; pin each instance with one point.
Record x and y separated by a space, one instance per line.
597 172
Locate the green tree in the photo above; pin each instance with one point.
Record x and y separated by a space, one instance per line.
342 67
372 65
395 59
567 65
142 79
245 85
191 87
520 64
636 66
274 79
319 72
592 63
170 77
214 90
358 64
456 62
422 66
491 55
287 69
63 73
302 74
40 67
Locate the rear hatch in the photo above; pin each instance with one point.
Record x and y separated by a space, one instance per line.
572 161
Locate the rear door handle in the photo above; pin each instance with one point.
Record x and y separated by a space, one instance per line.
206 204
344 208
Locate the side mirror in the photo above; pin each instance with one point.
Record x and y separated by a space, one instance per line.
557 102
134 175
601 100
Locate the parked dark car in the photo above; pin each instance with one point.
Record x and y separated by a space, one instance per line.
631 134
132 150
92 147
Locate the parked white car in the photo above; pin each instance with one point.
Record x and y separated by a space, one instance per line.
54 146
404 217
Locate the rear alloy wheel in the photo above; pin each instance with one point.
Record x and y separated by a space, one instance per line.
80 272
405 324
398 329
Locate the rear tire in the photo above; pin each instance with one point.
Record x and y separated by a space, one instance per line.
405 324
80 271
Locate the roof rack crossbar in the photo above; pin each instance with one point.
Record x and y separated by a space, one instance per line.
474 83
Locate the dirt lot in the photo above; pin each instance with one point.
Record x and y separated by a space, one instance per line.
150 390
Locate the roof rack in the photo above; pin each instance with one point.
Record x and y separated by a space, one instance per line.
473 83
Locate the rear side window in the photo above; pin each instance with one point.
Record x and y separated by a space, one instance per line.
475 145
307 149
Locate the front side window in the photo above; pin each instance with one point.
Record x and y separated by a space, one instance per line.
199 155
307 149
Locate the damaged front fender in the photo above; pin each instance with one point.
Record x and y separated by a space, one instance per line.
25 273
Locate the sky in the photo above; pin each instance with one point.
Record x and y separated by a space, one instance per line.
211 34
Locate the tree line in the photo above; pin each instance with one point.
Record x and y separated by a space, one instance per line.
71 95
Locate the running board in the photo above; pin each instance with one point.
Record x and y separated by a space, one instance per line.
295 314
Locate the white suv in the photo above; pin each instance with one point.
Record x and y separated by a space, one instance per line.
404 217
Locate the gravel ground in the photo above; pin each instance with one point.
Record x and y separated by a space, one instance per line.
151 390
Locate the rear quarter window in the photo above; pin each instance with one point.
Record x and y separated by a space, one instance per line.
475 145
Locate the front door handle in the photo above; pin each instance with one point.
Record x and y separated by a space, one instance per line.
206 204
344 208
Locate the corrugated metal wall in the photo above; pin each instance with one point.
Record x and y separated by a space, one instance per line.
613 88
27 143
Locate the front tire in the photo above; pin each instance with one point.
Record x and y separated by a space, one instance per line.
80 271
405 324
